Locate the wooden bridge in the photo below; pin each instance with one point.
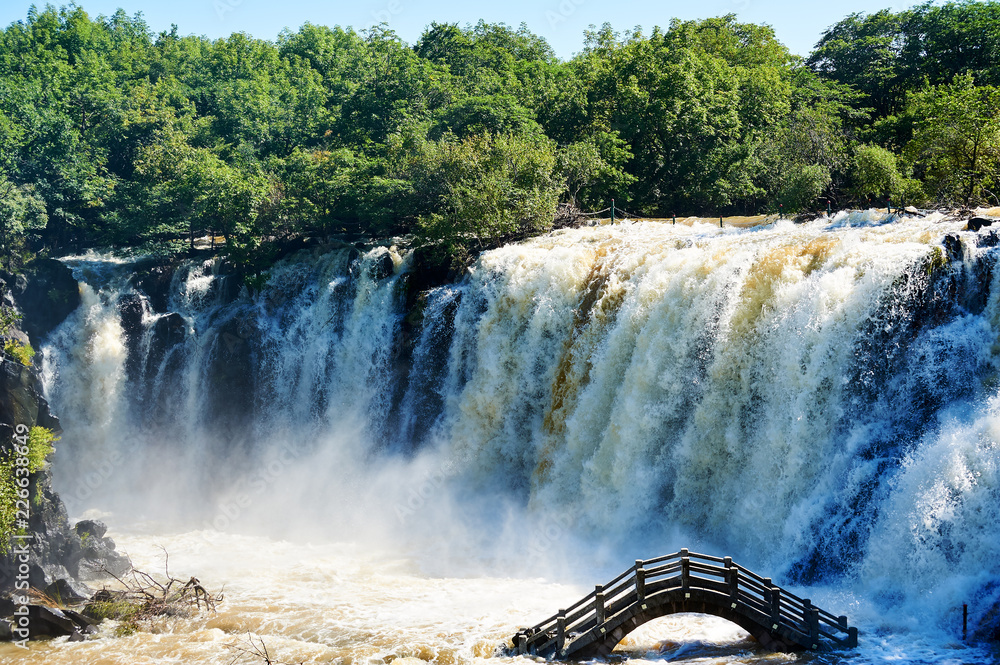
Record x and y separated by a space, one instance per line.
684 582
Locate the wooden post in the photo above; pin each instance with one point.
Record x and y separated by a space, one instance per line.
640 580
852 637
734 584
811 616
685 572
965 621
775 607
522 643
561 630
599 603
612 211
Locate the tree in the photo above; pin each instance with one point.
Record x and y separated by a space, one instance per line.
594 164
876 172
21 210
956 140
493 186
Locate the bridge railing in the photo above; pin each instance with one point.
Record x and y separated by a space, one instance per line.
749 593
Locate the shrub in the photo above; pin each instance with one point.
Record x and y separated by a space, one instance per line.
23 353
40 445
493 186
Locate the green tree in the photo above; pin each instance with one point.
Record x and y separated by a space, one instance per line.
493 186
21 210
956 140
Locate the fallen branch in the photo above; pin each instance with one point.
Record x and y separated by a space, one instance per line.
143 597
257 651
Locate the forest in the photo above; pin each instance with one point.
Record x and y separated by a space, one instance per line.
112 135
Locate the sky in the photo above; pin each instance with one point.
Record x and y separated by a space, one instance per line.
798 24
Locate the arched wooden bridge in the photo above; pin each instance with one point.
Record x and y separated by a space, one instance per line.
684 582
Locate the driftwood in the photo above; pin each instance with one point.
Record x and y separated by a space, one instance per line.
256 651
143 597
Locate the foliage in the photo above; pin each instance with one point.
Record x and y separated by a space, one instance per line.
29 455
956 140
22 353
8 319
40 445
113 134
492 186
877 176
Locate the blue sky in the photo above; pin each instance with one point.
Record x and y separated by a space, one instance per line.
798 24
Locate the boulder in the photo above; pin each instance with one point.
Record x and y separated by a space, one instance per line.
154 279
50 293
382 267
49 622
94 528
953 247
977 223
65 592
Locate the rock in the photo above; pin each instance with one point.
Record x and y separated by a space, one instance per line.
953 247
913 211
50 294
168 331
49 622
65 593
99 554
132 310
154 280
382 267
6 630
990 239
977 223
86 624
19 395
94 528
232 366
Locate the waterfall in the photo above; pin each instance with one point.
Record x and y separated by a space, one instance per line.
819 398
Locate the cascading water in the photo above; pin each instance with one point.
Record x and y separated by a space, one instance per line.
817 400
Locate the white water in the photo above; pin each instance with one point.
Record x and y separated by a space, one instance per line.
806 398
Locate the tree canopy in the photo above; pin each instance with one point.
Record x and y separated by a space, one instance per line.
113 134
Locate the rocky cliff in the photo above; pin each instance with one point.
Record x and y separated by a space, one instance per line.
43 296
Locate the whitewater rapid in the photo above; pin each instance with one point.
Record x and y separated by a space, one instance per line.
817 400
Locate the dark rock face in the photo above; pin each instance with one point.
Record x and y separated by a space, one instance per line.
55 551
232 365
953 247
52 622
48 294
154 280
977 223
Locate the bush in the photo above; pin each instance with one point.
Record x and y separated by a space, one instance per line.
802 184
23 353
493 186
40 445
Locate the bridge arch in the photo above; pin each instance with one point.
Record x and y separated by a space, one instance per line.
674 601
684 582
